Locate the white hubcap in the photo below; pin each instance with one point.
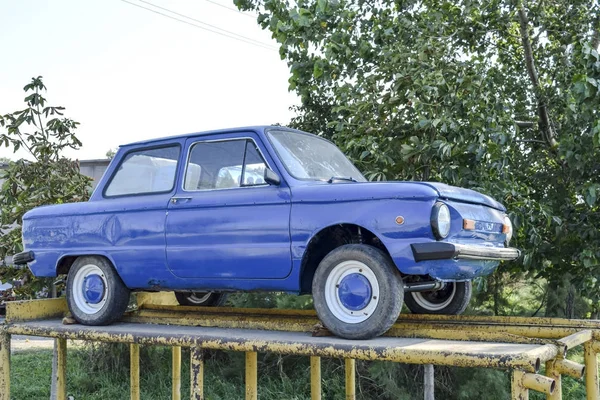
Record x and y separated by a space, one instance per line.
345 307
79 282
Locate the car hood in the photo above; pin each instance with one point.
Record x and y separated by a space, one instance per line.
353 191
464 195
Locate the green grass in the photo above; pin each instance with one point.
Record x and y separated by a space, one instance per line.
102 372
92 376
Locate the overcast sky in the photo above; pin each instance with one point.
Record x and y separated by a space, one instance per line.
128 74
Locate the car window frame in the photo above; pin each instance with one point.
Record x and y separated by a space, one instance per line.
244 138
135 150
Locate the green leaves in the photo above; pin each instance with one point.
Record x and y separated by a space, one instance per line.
433 91
49 179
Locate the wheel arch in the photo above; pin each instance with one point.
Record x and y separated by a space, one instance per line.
65 262
329 238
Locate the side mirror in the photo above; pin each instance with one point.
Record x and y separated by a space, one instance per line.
271 177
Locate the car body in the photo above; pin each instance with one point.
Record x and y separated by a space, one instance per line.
174 214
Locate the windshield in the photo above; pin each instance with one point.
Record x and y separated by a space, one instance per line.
309 157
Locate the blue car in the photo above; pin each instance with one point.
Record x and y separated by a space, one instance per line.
266 209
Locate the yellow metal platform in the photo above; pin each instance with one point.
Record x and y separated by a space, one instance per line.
518 344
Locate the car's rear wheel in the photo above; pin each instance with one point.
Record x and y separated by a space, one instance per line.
357 291
201 299
96 295
452 299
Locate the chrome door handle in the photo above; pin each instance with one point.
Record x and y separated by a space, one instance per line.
176 200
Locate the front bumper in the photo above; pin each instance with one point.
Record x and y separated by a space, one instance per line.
449 251
23 258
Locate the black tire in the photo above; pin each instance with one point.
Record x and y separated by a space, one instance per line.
384 310
452 299
201 299
115 297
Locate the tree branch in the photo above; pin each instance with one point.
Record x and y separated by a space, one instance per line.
525 124
545 124
596 33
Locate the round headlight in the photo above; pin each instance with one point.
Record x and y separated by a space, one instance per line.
508 229
440 220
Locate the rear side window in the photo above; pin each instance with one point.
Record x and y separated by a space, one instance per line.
145 172
224 164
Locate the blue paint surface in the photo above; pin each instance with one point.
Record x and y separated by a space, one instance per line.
355 291
251 238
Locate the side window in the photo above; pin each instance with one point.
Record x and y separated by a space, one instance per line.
224 165
145 172
254 166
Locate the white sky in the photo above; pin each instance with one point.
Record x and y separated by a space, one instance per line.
127 74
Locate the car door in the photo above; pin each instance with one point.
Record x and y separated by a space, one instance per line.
224 221
127 213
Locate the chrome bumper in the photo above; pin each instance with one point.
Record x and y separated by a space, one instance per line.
448 251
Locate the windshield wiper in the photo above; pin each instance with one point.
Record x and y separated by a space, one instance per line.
341 178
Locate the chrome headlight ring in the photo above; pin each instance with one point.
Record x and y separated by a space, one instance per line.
440 220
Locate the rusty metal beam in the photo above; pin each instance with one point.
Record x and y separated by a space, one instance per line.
196 373
522 382
491 329
576 339
4 364
29 310
251 376
579 324
134 371
539 383
350 372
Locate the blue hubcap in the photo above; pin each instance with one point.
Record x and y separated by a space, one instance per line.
355 291
93 288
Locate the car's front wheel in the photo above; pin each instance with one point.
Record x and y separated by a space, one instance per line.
452 299
96 295
201 299
357 291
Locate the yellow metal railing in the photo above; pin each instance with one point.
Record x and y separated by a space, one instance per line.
519 344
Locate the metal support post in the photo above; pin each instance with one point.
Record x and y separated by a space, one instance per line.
315 378
428 382
134 371
251 376
552 372
176 385
518 391
196 373
4 365
591 370
350 379
61 369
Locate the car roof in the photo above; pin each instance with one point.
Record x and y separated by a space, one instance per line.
257 128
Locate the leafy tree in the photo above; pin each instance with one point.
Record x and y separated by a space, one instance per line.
48 178
500 96
110 154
